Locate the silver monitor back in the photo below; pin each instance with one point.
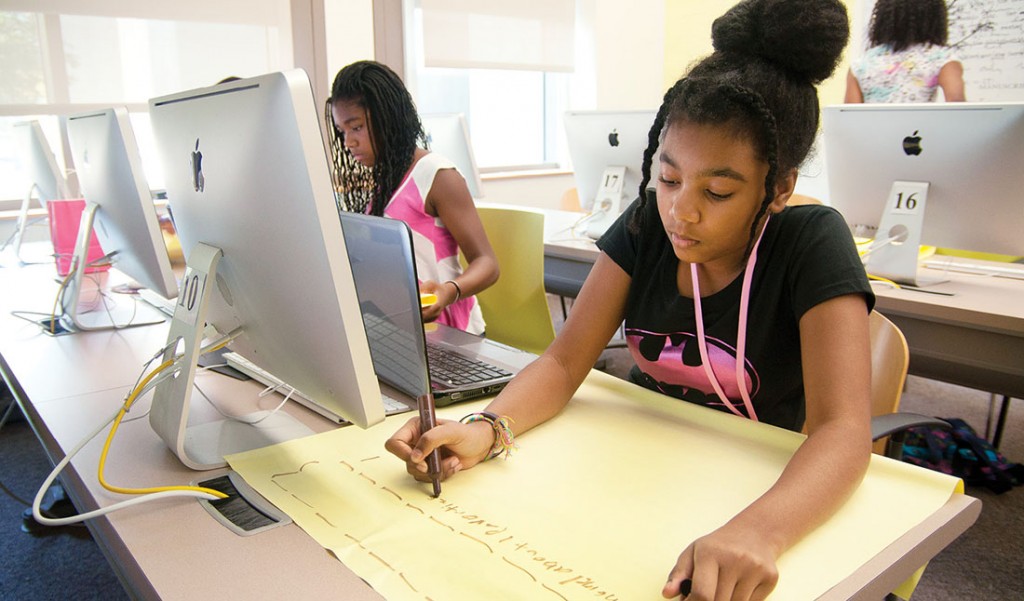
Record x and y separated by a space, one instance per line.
39 163
448 135
971 154
601 139
110 173
246 173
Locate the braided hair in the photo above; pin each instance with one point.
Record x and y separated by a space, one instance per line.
760 83
353 182
905 23
395 131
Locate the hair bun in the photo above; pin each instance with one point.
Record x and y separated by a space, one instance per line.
804 37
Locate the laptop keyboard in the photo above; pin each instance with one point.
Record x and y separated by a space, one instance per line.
447 367
454 369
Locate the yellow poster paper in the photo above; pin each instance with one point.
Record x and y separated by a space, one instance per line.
596 504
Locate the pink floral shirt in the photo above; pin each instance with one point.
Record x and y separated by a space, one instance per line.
910 75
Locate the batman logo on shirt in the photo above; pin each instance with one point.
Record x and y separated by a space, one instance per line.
673 362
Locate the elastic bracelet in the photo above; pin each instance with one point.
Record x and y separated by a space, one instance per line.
504 439
458 290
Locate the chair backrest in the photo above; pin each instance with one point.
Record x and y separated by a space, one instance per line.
571 201
889 360
516 306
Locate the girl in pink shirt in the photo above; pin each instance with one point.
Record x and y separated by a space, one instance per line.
378 128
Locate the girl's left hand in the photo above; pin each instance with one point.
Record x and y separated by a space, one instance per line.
445 294
730 563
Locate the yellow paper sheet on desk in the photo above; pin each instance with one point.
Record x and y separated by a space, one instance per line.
597 504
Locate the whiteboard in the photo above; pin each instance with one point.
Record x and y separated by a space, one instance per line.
989 36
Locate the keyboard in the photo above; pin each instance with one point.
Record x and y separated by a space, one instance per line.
165 305
392 405
455 369
395 352
1008 270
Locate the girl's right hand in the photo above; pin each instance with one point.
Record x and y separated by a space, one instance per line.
462 446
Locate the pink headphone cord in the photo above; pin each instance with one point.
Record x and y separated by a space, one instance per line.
741 332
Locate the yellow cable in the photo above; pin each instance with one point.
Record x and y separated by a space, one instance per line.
117 421
885 280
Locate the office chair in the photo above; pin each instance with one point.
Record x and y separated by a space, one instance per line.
890 358
516 306
570 201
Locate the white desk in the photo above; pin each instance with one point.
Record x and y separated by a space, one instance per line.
172 549
169 549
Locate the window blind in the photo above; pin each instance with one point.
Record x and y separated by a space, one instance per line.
534 35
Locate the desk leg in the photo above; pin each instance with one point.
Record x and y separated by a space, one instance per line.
1001 422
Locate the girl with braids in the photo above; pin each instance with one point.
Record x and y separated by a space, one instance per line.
730 298
908 58
376 126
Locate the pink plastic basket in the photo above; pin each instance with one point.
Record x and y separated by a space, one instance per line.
65 217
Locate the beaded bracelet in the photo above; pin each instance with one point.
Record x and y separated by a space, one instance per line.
504 439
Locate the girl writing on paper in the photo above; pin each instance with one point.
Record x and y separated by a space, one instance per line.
730 298
377 132
908 59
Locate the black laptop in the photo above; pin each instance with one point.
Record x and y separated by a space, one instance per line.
406 352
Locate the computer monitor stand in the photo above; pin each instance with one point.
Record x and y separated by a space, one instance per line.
203 446
22 224
110 314
894 252
607 202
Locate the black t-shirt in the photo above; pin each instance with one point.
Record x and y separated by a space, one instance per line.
806 256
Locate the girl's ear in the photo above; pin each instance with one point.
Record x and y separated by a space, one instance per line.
785 184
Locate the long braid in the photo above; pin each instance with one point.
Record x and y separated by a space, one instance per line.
771 142
395 130
653 140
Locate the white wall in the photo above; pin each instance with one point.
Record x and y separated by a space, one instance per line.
542 191
349 25
630 50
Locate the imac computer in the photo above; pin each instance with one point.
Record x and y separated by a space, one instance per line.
119 210
448 135
43 177
248 182
948 175
607 151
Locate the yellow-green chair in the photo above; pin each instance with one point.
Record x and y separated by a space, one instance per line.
516 306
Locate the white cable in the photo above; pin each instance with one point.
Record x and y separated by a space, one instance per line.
74 519
242 418
877 245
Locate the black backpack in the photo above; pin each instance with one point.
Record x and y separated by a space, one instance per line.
961 452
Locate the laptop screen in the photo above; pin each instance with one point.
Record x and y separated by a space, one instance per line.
384 270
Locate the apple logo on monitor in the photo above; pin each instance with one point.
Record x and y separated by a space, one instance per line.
912 144
613 138
198 180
